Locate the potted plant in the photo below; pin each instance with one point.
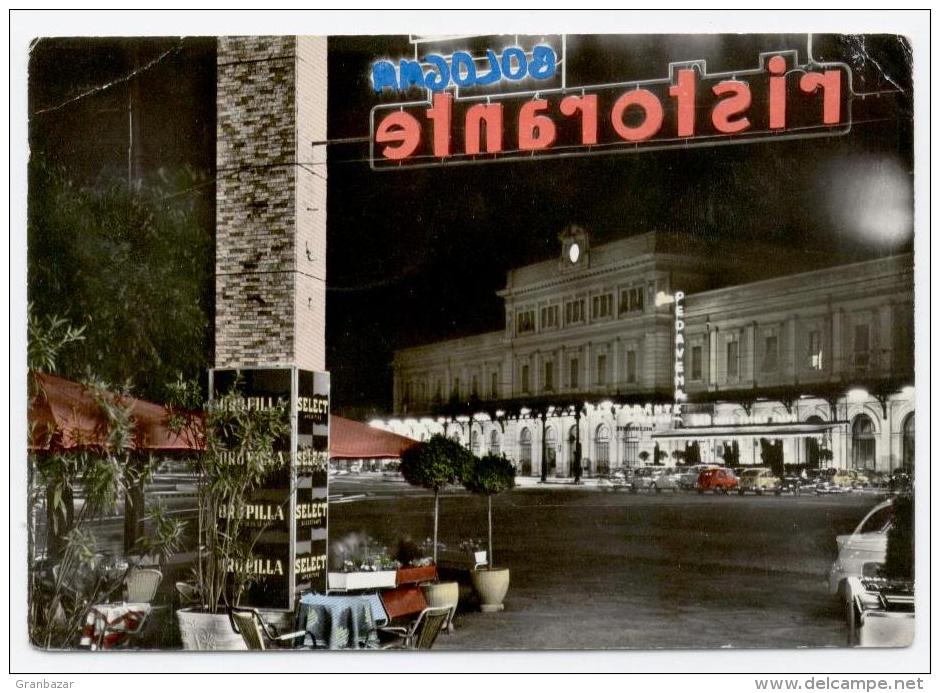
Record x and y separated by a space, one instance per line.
475 550
357 562
487 476
433 466
238 455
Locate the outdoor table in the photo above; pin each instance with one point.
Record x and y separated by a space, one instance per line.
107 625
340 622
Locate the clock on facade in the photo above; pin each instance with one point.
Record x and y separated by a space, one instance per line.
574 253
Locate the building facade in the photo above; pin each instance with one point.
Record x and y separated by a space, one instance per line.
658 347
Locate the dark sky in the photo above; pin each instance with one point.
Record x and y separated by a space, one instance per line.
417 255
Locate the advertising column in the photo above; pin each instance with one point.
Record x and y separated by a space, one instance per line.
284 521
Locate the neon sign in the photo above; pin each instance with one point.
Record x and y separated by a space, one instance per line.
455 124
679 373
437 73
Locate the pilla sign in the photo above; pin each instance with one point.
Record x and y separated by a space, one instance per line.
690 107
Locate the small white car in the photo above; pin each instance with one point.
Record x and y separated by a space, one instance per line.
655 479
867 544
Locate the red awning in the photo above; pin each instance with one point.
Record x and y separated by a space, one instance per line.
351 440
66 415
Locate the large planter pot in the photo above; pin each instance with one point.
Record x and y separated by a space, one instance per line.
491 585
202 631
442 594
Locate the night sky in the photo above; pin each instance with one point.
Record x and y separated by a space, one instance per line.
417 255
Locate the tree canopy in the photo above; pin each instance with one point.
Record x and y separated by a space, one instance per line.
489 475
435 464
132 265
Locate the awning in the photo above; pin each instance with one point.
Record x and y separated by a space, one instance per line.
770 430
352 440
66 415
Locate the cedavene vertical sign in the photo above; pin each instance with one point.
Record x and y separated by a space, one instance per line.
285 518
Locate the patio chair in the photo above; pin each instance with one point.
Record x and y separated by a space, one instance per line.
188 594
249 624
141 584
422 633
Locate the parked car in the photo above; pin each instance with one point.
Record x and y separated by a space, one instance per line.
718 479
616 480
688 478
901 481
796 485
867 544
841 481
758 480
655 479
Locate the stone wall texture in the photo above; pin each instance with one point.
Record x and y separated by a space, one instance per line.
271 202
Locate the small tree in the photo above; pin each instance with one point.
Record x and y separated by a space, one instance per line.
239 455
487 476
432 466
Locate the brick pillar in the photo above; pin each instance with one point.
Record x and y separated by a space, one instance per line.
271 202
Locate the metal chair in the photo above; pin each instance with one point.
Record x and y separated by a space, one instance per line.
188 594
141 584
422 633
249 624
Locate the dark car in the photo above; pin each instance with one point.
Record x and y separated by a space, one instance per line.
718 480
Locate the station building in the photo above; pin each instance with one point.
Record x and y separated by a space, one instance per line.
662 347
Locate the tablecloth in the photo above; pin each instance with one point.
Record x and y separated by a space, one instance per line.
107 625
340 622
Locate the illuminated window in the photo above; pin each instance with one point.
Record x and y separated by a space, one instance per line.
602 449
475 443
696 366
863 443
814 356
631 366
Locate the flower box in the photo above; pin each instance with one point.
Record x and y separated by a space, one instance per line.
365 580
416 575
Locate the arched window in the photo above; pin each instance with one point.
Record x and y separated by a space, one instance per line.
494 442
475 442
863 442
602 449
525 452
551 442
811 445
907 441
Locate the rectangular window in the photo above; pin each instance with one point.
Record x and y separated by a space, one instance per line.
733 359
475 387
696 363
457 387
573 374
525 321
814 350
574 311
631 366
549 375
525 378
601 378
600 306
770 354
494 389
631 446
631 300
862 347
549 317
